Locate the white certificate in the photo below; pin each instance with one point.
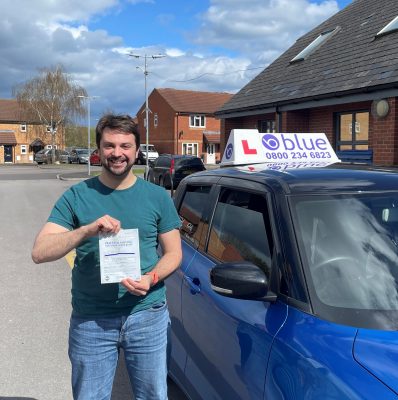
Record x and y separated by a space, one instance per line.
119 256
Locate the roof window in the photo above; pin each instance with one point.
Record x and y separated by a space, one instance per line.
391 27
314 45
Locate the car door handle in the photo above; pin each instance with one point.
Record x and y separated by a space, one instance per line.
194 284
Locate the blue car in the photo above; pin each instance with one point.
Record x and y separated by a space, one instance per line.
288 285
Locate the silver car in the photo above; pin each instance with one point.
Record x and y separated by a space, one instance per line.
78 156
43 156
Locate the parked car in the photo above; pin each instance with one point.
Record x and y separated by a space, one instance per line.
63 156
95 158
44 156
41 156
152 152
169 169
288 287
78 156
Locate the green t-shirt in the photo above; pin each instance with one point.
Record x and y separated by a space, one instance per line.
144 206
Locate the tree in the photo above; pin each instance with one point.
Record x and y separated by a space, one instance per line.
52 99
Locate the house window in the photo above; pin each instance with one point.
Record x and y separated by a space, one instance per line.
314 45
22 127
155 120
391 27
24 149
190 149
353 131
266 126
197 121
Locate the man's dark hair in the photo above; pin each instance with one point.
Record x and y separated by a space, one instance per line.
123 123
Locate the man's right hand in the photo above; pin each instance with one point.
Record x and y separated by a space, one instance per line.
105 224
54 241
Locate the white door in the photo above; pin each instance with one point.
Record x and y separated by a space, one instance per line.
211 154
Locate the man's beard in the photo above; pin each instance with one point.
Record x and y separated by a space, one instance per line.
109 166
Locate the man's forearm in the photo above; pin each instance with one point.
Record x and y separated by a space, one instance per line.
167 264
52 246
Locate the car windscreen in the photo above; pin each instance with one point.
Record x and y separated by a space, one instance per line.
82 152
348 245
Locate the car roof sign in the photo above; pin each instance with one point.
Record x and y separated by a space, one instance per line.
277 150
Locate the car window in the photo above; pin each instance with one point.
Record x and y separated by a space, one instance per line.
180 162
191 212
163 162
241 229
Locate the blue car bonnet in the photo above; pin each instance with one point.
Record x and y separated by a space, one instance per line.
377 351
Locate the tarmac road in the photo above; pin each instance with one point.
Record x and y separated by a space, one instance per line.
35 299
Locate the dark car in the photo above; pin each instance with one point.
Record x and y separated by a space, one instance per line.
95 158
169 169
78 156
288 286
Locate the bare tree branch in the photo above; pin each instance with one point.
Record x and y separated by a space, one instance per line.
51 99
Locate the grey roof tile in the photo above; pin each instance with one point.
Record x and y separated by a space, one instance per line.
351 60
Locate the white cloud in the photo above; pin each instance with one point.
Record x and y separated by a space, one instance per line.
261 29
234 37
173 52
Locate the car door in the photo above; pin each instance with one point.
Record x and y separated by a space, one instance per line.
193 200
228 340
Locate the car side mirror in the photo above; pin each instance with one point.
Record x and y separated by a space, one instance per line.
242 280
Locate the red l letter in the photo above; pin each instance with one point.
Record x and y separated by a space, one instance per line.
246 149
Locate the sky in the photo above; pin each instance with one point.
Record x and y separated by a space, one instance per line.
204 45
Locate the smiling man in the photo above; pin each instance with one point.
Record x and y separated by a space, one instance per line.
130 314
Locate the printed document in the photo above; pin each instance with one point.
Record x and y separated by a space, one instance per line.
119 256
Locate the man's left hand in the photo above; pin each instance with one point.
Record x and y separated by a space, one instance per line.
138 288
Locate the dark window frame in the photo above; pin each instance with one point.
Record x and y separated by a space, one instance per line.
269 124
353 142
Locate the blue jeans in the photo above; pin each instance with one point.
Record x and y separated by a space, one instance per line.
94 345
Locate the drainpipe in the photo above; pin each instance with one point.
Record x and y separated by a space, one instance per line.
279 116
177 133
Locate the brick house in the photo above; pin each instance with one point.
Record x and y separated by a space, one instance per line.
21 139
341 78
183 122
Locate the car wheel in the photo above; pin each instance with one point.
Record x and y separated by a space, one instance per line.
166 182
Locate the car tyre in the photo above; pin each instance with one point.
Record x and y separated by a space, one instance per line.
167 182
